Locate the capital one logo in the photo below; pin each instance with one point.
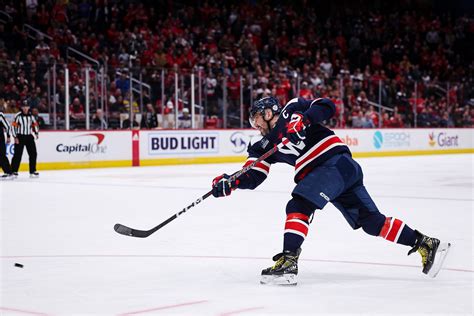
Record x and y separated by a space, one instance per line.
84 145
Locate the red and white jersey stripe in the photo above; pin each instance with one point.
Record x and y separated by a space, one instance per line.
261 166
317 150
297 223
392 229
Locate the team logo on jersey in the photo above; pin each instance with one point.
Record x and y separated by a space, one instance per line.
292 149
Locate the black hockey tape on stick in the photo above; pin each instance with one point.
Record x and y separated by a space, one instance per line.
127 231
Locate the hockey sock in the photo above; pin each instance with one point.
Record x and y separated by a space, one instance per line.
397 231
296 229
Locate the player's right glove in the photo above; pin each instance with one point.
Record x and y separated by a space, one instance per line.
221 186
296 130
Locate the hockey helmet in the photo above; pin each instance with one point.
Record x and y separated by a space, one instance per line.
260 105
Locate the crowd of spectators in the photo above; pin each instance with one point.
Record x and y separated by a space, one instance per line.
415 62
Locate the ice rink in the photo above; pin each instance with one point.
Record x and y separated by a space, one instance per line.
208 262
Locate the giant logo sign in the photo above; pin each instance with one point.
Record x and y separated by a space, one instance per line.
443 139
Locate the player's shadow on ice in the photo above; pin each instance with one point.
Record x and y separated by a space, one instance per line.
329 278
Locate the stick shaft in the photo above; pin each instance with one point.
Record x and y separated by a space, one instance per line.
124 230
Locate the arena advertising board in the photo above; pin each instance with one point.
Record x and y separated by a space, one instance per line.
198 143
57 150
406 140
82 146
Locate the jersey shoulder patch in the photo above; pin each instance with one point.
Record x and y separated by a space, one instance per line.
255 139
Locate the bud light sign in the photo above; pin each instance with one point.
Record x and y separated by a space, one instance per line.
183 143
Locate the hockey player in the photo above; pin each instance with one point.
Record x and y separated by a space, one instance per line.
324 172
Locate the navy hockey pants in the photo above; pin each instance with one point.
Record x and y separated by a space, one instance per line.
339 180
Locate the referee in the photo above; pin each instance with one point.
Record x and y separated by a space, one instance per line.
24 126
4 163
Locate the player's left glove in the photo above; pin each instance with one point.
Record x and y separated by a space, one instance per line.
296 130
221 186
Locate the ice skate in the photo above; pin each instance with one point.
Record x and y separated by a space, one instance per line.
432 252
284 271
34 175
6 177
15 175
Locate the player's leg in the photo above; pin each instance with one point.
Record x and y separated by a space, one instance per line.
32 155
285 269
4 163
310 193
16 160
360 211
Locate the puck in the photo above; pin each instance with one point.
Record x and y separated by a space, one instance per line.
18 265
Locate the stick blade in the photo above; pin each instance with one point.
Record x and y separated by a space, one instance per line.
127 231
123 230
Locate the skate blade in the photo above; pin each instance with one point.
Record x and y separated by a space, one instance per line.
284 279
441 254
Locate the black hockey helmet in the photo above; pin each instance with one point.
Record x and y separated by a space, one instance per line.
260 105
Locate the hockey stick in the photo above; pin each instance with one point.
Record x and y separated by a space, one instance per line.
124 230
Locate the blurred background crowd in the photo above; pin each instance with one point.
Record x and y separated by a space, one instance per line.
384 63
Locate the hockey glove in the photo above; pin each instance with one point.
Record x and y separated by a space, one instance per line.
296 130
221 186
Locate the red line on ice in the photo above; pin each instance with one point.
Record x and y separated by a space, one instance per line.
241 311
161 308
16 310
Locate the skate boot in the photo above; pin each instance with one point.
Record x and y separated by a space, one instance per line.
284 271
34 175
6 176
432 252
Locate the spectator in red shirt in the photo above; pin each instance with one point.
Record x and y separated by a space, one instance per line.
305 91
78 116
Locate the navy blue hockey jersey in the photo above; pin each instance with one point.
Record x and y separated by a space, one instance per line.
320 144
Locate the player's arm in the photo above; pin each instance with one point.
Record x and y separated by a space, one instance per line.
305 113
6 125
315 111
15 125
35 126
255 176
221 186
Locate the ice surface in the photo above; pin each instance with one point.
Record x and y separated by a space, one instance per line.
207 262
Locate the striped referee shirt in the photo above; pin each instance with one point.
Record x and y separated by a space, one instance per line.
24 124
4 125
